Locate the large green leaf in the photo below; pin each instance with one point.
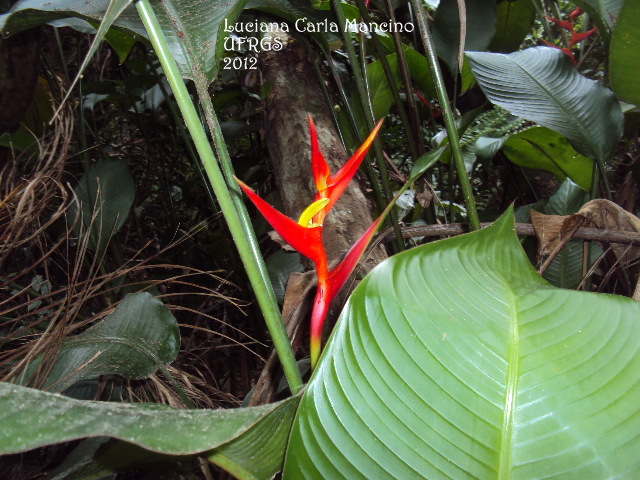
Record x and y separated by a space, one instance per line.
539 147
539 84
605 13
193 28
480 26
31 419
456 360
624 64
140 336
105 193
514 22
381 95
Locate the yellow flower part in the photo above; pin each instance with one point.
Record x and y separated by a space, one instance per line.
306 219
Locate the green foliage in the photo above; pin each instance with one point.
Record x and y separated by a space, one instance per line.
452 360
137 339
105 195
624 65
223 434
514 22
545 149
456 360
480 27
539 84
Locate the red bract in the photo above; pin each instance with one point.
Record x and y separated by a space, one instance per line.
331 186
578 37
575 37
306 234
566 24
575 13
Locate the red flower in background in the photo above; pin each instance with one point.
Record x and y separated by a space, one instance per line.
575 37
306 234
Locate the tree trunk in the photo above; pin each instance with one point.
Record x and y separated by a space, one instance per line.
294 94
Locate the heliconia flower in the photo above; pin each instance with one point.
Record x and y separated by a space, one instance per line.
306 234
578 37
435 113
566 24
331 186
575 13
575 37
567 51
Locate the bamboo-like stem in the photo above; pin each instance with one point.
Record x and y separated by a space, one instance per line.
447 113
412 139
367 109
228 199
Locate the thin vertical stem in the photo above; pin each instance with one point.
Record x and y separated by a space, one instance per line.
240 229
367 108
447 113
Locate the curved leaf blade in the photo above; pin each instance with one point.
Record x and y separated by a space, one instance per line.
539 84
624 65
137 339
512 379
480 27
539 147
514 22
158 428
106 193
194 29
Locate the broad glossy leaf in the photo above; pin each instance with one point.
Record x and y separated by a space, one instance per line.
539 147
605 12
381 95
31 419
140 336
456 360
539 84
624 63
106 193
514 22
193 28
480 26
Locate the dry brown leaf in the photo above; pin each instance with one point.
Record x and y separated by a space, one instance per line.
275 236
548 229
605 214
553 231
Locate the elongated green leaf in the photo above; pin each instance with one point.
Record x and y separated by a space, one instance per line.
194 28
539 84
381 95
140 336
456 360
514 22
542 148
31 419
256 454
624 64
480 26
605 13
106 194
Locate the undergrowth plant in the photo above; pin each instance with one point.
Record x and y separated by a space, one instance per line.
453 359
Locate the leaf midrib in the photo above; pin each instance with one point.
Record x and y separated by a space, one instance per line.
567 114
513 370
585 134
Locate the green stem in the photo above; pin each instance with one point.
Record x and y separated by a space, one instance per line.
449 121
404 118
229 200
367 109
